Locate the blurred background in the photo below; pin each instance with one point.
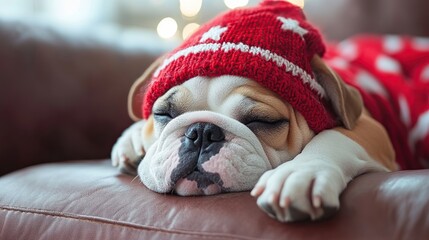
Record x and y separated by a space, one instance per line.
170 21
164 23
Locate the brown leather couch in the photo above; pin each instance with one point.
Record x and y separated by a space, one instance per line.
63 97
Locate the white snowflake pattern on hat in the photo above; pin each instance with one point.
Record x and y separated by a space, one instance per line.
292 25
213 33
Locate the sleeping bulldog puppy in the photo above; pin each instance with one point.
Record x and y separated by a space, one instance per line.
247 103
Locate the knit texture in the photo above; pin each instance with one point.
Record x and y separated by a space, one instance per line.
392 75
270 43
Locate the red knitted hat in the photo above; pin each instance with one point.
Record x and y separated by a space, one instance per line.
270 43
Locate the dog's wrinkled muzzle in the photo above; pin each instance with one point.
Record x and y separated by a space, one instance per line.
206 153
202 141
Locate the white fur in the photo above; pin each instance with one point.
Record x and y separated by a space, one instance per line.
243 155
323 169
129 146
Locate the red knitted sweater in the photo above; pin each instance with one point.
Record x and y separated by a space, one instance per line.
392 74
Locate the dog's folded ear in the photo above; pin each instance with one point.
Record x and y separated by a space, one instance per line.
135 96
346 100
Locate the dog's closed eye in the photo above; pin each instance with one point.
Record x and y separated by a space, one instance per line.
165 113
263 122
162 117
164 109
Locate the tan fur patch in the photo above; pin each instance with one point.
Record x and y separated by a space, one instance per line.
148 129
369 134
292 137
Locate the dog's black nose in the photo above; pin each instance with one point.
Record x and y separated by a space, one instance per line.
202 141
203 134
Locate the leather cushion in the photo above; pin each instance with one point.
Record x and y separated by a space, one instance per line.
92 200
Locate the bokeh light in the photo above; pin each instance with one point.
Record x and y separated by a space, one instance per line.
236 3
189 29
299 3
190 8
167 28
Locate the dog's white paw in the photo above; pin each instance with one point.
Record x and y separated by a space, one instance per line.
128 149
306 187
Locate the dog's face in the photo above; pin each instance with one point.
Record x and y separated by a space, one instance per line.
212 135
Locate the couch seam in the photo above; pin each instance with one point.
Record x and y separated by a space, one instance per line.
101 220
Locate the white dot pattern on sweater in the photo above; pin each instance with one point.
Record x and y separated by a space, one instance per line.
386 64
393 44
392 73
